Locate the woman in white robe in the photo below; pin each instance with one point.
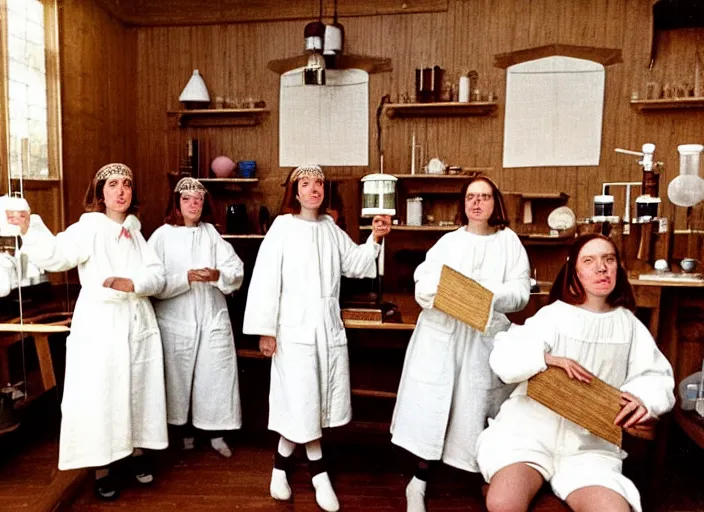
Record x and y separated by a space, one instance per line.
588 329
293 305
114 401
199 348
447 389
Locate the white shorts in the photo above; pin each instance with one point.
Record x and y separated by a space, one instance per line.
498 448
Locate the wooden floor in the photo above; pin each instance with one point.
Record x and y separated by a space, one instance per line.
368 475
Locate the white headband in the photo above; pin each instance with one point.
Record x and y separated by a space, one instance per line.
109 170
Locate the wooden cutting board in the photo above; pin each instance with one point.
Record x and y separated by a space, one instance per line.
593 406
463 298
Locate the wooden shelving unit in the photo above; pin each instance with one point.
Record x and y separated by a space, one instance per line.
243 237
444 109
468 173
404 227
219 116
668 104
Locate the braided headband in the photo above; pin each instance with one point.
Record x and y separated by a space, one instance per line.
109 170
313 171
189 185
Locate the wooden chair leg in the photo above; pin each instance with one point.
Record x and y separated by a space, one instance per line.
46 366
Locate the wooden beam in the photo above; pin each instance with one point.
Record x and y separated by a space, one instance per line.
604 56
208 12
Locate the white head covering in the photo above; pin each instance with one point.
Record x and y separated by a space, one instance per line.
110 170
311 170
189 185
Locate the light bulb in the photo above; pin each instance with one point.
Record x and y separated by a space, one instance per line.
686 190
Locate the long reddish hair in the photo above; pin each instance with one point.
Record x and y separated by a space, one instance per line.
289 204
569 289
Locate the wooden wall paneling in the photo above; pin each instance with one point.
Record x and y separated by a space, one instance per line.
98 57
233 58
53 84
4 114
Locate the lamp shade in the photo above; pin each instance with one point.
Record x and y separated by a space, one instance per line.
195 90
378 195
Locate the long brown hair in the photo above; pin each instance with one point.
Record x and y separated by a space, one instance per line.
569 289
289 204
173 210
94 199
499 217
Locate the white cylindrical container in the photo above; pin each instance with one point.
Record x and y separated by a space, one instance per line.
463 93
603 206
378 195
414 211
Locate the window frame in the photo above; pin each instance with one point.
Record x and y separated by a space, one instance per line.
53 91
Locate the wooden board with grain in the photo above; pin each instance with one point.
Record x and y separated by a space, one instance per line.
463 298
593 406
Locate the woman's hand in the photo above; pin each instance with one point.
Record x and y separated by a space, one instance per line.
203 275
573 368
381 226
18 218
632 411
121 284
267 345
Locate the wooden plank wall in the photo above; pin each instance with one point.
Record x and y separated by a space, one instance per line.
98 64
232 58
119 82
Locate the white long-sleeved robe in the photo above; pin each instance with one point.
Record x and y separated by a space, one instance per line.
294 297
447 389
617 348
114 398
199 347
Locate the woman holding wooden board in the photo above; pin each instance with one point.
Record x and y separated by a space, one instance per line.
447 389
588 330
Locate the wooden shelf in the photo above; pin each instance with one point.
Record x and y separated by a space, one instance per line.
228 180
474 171
668 104
547 196
371 393
9 429
385 326
445 109
404 227
219 116
542 239
243 237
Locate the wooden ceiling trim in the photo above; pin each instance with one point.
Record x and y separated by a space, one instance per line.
151 13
